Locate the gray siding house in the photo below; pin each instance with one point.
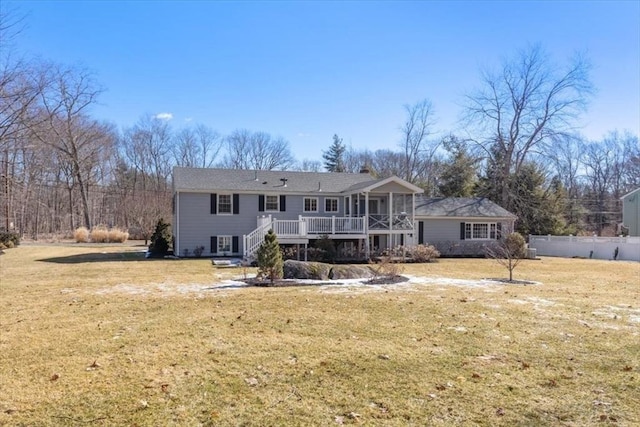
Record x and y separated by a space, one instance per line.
459 226
631 212
227 212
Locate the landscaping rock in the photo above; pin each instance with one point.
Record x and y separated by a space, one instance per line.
340 272
306 270
322 271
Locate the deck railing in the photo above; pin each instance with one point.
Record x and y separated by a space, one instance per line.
307 226
400 221
334 225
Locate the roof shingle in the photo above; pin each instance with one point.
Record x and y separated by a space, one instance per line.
210 179
462 207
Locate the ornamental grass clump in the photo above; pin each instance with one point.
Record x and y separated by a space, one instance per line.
81 235
99 234
117 235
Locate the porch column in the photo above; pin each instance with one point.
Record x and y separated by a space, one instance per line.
390 215
366 212
413 215
367 246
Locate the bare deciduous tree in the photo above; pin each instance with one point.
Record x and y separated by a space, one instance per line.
67 127
508 252
417 150
523 107
197 147
257 150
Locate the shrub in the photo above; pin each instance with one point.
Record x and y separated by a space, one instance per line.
116 235
386 269
315 254
9 239
270 258
325 244
197 252
99 234
424 253
81 235
160 238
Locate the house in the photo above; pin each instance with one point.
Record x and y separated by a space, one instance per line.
228 212
631 212
459 226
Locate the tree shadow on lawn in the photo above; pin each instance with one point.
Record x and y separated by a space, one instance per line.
98 257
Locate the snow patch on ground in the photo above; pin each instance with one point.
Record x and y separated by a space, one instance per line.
414 284
619 312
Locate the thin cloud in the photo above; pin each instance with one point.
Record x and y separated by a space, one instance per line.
164 116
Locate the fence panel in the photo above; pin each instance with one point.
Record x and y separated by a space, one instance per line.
622 248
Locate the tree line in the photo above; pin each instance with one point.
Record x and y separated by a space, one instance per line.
61 167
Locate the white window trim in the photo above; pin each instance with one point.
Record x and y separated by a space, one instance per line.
277 209
220 238
337 199
304 203
491 228
230 204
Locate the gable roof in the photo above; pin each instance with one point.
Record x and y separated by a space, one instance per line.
372 185
460 207
210 179
630 193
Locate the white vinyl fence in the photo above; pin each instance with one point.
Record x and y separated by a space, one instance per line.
628 248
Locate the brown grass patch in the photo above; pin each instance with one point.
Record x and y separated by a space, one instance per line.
565 352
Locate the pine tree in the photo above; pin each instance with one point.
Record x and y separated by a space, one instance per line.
458 177
334 157
161 238
270 262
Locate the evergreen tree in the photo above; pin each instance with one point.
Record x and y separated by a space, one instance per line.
270 262
334 157
161 238
458 177
539 209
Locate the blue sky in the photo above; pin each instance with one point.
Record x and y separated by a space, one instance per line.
305 70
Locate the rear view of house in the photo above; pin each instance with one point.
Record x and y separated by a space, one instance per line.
228 212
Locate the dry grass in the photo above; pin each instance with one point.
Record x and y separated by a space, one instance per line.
95 335
99 234
81 235
117 235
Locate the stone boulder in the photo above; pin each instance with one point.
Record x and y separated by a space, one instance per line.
306 270
321 271
339 272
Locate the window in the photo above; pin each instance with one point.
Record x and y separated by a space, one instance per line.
330 204
347 208
272 203
311 204
224 204
224 244
480 231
